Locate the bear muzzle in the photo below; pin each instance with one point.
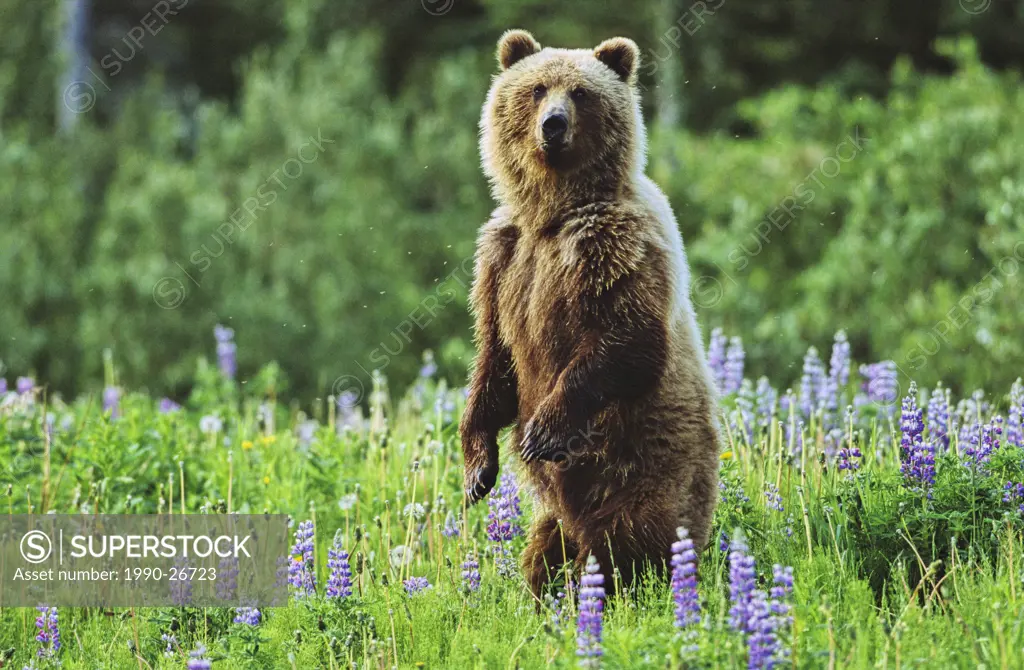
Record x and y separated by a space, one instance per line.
555 128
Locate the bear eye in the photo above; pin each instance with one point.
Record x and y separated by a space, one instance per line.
578 94
538 91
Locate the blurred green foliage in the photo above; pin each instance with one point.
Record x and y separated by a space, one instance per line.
362 255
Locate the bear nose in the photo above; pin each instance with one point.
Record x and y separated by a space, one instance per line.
554 127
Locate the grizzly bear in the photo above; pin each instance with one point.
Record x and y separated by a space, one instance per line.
587 339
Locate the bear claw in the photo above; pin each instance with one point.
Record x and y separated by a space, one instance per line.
538 445
479 482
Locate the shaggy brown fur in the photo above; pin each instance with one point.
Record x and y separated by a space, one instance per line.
586 334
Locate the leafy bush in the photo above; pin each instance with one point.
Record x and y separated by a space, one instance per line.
910 236
900 221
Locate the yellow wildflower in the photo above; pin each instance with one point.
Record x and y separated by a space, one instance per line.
268 440
266 480
726 455
246 445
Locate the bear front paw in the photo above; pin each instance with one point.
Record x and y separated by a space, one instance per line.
480 478
544 439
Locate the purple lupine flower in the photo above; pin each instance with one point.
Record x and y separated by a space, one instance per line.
301 569
773 497
1015 424
503 518
503 522
782 578
451 526
415 585
762 642
248 616
588 626
181 589
429 368
172 644
938 417
917 457
167 406
3 386
1014 494
471 574
765 402
732 493
723 542
918 467
911 421
49 632
197 659
742 418
225 350
227 578
112 401
24 385
838 373
734 357
979 450
742 585
768 618
812 383
339 581
716 358
881 385
281 581
684 581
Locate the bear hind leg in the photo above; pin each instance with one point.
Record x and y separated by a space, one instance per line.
549 549
630 542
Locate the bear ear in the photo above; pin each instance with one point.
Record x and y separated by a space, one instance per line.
620 54
514 46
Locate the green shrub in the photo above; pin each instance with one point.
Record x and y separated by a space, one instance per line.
900 221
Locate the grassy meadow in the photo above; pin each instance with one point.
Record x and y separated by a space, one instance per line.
896 509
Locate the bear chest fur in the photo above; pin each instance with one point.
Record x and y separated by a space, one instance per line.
538 313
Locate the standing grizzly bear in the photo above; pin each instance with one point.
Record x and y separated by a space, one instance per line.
586 335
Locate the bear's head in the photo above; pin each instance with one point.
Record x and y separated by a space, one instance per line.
562 118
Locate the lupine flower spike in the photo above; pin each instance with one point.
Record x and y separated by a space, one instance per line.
48 636
716 358
917 456
838 373
471 574
225 350
503 523
1015 424
301 575
812 383
734 358
250 616
938 418
881 385
742 585
197 659
415 585
339 580
684 581
588 629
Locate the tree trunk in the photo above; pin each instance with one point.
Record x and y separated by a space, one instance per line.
77 92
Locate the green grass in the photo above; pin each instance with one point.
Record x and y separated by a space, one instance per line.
884 577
